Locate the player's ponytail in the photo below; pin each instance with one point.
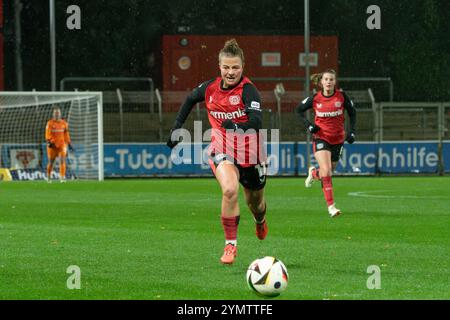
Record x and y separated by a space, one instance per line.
316 77
231 49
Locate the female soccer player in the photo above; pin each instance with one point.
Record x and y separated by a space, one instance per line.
234 112
58 139
328 131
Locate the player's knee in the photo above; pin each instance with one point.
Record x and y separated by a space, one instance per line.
230 193
256 202
326 172
257 206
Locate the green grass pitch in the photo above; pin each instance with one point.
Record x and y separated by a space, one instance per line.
162 239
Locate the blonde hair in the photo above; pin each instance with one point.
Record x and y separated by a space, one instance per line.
231 49
316 77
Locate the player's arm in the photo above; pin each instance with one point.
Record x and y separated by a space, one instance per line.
351 110
197 95
48 136
67 139
301 109
252 102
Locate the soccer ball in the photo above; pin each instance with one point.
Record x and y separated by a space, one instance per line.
267 277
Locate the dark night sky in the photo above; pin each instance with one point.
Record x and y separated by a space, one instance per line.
119 38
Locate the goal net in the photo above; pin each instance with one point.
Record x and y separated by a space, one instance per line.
23 118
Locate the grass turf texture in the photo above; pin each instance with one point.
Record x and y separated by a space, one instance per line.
162 239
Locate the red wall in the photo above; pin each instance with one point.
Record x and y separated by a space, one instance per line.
203 55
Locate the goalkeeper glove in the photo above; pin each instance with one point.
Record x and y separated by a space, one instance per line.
71 147
228 124
350 137
50 144
312 128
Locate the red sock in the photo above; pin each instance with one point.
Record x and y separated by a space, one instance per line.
327 188
230 226
315 174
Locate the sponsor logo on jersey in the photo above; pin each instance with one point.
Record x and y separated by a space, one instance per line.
227 115
234 100
338 104
255 105
57 130
319 105
329 114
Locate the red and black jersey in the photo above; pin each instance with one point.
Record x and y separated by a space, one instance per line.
242 105
329 115
227 104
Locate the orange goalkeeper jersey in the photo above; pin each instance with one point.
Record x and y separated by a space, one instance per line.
57 132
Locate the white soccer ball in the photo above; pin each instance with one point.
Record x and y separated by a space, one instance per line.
267 277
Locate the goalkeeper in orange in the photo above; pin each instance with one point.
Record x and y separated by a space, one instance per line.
58 140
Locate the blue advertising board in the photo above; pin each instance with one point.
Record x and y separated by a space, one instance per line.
285 158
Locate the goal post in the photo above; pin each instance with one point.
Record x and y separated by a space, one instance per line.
23 118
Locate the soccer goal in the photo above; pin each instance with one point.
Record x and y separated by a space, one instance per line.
23 117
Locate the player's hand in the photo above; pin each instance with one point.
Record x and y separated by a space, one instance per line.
71 147
312 128
50 144
228 124
172 143
350 137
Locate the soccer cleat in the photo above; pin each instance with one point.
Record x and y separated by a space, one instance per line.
229 253
333 211
310 178
261 230
62 180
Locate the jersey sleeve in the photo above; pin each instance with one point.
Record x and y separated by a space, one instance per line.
48 132
67 134
301 109
252 102
197 95
351 110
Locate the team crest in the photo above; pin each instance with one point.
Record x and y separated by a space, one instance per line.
234 100
338 104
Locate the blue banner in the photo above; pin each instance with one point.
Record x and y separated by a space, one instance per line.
446 156
286 158
390 157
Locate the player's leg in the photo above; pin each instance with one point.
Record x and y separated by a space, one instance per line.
51 156
256 202
336 152
313 172
228 177
62 169
62 164
253 179
323 158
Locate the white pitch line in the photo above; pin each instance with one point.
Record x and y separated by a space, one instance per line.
365 194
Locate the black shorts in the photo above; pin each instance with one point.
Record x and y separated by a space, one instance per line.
335 149
252 178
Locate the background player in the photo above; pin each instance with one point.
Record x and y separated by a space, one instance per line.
58 139
233 103
327 130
